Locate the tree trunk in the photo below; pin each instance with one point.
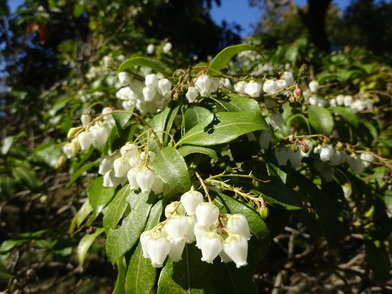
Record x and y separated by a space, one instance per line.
314 19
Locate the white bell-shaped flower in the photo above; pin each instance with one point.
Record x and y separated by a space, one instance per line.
225 85
276 121
253 89
85 119
236 247
157 250
121 167
265 139
367 158
145 179
174 208
110 180
192 94
347 100
101 131
288 77
238 224
190 233
164 86
124 78
340 100
199 231
150 49
190 200
240 86
282 155
124 93
177 227
295 157
326 152
145 237
149 93
86 139
151 80
129 150
211 244
167 47
313 86
131 175
203 85
356 164
282 84
176 249
207 214
270 87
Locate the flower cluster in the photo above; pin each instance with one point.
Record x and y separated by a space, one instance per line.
191 219
327 157
149 97
92 133
132 165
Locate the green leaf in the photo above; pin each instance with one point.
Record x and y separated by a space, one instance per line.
193 116
346 114
81 170
189 149
193 276
163 121
48 153
235 103
119 287
7 185
171 168
223 57
116 208
224 127
257 225
141 274
121 240
27 178
80 216
85 244
325 207
6 144
141 61
321 119
98 195
121 118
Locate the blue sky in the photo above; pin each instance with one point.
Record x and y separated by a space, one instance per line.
237 11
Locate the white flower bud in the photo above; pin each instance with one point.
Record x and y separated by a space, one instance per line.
356 164
174 208
131 175
282 84
240 87
164 86
347 100
86 119
121 167
192 94
150 49
236 247
151 80
253 89
149 93
101 132
124 78
295 157
206 214
366 158
238 224
326 152
190 200
124 93
105 165
340 100
210 245
270 87
313 86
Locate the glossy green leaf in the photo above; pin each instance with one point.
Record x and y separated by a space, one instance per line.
7 185
346 114
85 243
27 178
257 225
194 116
141 61
80 216
224 127
121 240
163 121
122 118
48 153
116 208
98 195
141 275
223 57
189 149
171 168
236 103
320 119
